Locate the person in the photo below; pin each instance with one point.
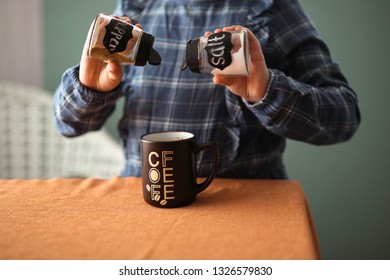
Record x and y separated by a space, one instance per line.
294 91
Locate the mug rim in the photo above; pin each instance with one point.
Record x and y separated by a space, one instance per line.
167 136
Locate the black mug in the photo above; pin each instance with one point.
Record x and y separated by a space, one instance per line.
169 171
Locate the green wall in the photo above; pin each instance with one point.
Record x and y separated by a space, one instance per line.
347 185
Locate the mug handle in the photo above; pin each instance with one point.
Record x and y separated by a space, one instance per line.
198 148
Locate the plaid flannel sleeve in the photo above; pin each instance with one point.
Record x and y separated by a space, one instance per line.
77 109
308 97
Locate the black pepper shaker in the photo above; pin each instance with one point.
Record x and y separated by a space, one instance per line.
112 39
224 53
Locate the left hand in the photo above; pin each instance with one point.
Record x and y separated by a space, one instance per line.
253 87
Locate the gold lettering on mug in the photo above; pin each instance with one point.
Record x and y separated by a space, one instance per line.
166 181
155 192
155 164
165 157
167 190
154 175
168 172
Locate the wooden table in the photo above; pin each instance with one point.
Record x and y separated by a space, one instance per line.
108 219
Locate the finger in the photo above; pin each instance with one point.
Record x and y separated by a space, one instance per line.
233 28
127 19
229 28
221 80
257 53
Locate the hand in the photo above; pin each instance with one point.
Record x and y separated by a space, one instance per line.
97 74
253 87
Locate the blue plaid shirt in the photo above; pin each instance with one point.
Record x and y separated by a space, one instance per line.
308 98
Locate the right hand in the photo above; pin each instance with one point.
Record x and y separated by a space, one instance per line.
97 74
253 87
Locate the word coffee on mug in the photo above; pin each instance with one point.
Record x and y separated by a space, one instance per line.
169 171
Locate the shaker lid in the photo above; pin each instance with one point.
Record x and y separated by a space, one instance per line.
192 57
146 53
154 58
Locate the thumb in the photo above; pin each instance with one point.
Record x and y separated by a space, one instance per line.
221 80
114 72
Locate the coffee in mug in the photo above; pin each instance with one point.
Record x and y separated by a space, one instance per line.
169 171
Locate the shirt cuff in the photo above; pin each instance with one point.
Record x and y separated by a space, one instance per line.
88 94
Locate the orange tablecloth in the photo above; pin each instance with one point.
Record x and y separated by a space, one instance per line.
108 219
